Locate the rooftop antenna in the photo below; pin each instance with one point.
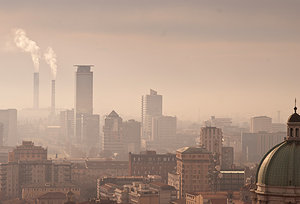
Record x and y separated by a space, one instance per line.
295 105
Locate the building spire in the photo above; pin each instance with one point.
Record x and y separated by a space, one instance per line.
295 108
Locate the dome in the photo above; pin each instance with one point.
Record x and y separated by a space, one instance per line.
294 118
281 165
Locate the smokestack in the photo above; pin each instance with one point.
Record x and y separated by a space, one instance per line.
35 90
53 97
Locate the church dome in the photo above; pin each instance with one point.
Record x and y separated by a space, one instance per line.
281 165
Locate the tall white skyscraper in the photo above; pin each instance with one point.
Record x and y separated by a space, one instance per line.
151 107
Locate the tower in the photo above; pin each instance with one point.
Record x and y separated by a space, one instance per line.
151 106
53 97
83 99
36 90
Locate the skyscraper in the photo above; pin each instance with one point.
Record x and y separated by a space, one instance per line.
86 123
84 90
151 106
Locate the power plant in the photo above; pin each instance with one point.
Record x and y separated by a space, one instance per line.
35 90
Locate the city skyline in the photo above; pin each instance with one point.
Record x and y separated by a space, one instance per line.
234 59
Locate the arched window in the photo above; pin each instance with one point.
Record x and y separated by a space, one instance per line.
297 132
291 132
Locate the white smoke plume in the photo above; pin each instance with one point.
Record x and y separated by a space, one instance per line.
27 45
50 58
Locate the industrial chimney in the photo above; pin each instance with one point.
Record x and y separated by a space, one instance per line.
35 90
53 97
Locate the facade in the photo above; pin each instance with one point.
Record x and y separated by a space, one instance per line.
227 158
277 179
32 192
211 139
163 128
151 106
89 171
260 124
255 145
175 181
232 180
28 152
67 126
193 166
113 141
166 192
149 163
91 127
8 118
132 136
28 165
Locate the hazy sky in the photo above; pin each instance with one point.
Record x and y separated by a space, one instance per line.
235 58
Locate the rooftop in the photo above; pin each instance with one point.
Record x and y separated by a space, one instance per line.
193 150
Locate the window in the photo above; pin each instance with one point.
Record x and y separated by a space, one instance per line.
291 132
297 132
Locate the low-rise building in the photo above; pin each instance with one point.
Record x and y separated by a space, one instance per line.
149 163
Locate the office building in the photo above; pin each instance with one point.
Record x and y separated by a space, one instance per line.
151 106
8 118
255 145
67 126
211 139
163 128
193 166
132 136
261 124
83 98
113 141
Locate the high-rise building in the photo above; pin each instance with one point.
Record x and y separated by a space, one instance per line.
261 124
132 136
211 139
83 98
255 145
193 166
9 120
91 128
86 123
113 142
84 90
151 106
67 126
163 128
